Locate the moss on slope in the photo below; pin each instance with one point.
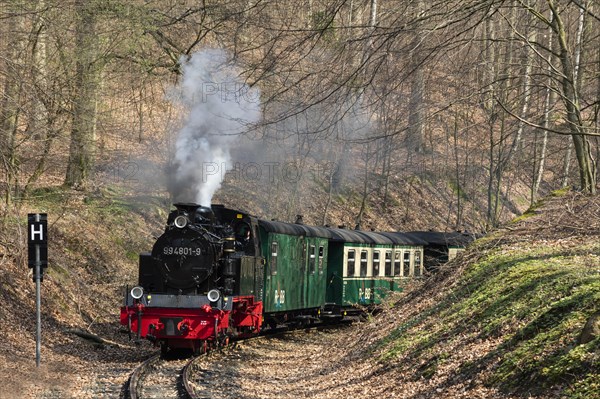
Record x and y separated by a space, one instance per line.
510 315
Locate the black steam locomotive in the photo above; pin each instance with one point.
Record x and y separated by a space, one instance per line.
190 291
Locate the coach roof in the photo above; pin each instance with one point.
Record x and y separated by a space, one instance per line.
294 229
451 238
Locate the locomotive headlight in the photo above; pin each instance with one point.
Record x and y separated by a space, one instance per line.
181 221
137 292
213 295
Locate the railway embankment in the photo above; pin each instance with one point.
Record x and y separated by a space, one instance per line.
506 319
94 240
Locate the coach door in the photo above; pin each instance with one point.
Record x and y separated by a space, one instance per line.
302 261
311 273
376 267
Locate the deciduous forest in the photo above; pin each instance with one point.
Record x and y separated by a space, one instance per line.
479 116
476 107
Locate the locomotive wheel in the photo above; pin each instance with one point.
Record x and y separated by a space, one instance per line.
164 349
199 347
202 348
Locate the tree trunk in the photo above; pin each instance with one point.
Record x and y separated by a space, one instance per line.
37 121
457 173
548 101
387 164
498 160
11 93
414 135
330 182
570 97
81 152
489 76
365 191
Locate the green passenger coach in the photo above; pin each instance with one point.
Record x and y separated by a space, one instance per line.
296 270
365 266
313 272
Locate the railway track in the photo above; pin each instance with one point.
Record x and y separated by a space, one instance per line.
184 378
159 378
193 377
220 374
204 372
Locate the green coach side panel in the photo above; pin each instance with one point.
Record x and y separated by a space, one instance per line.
408 263
357 286
371 272
368 284
296 262
295 272
381 272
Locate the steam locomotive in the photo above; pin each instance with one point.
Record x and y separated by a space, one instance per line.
217 273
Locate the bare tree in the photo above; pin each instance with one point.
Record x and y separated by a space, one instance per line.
10 102
80 167
548 101
569 74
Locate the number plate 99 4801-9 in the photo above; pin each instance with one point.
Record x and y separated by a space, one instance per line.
187 251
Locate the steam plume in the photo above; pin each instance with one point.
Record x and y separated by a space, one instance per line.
221 107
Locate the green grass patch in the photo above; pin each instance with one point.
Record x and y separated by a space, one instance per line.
48 199
561 192
534 301
457 190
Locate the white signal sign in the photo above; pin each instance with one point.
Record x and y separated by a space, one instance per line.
37 237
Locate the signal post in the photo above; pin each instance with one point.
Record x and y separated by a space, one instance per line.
37 240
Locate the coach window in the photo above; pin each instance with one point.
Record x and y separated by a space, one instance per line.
376 263
364 263
388 263
417 263
397 263
274 247
321 253
406 271
351 263
312 266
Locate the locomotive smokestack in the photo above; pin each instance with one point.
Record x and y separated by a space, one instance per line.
196 213
299 219
187 207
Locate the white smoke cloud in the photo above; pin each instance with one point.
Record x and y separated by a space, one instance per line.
221 107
